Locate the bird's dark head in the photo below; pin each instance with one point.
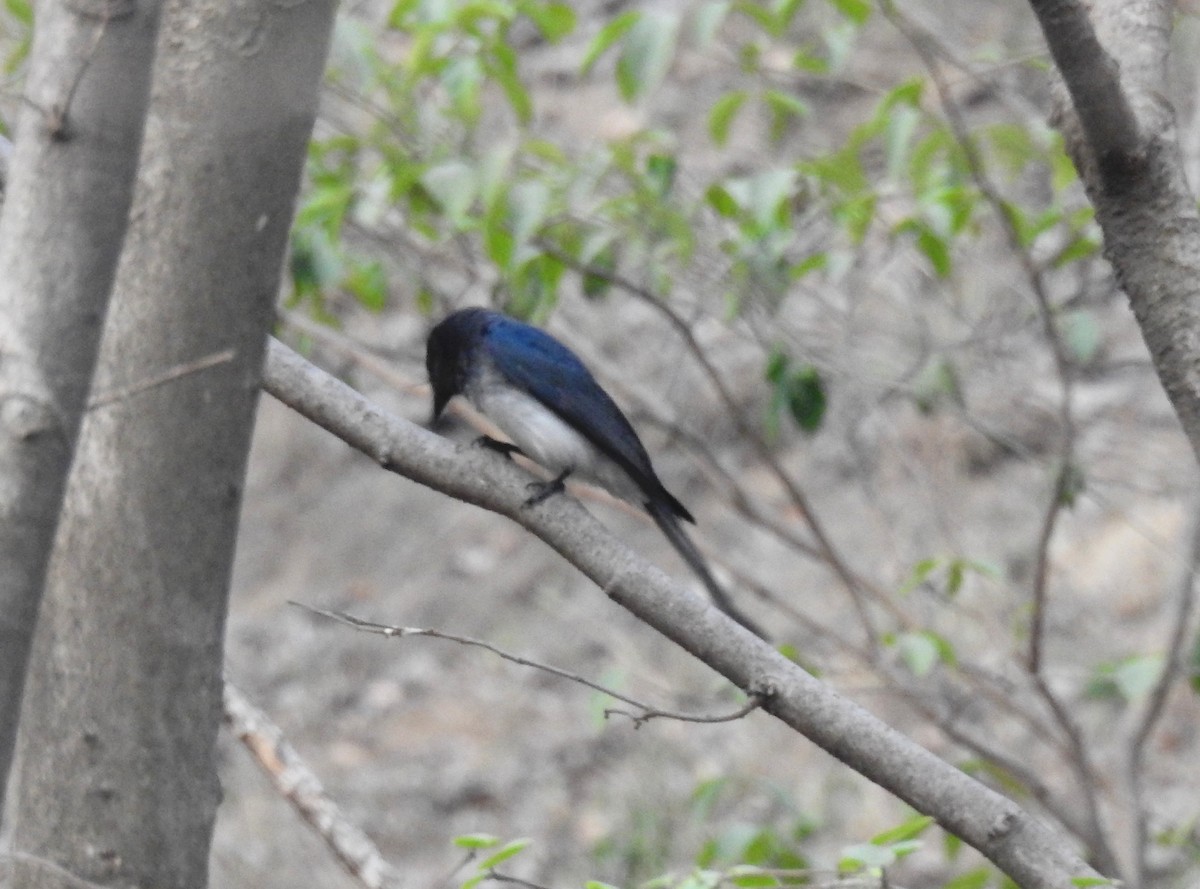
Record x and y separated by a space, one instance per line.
450 351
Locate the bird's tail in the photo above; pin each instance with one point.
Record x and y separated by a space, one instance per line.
670 525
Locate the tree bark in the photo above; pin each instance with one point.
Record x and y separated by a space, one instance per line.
115 781
67 188
1121 132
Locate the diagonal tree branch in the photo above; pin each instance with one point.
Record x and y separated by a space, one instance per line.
1024 848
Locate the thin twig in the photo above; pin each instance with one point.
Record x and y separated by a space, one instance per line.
293 778
1173 663
351 348
167 376
56 116
493 874
648 712
921 44
755 701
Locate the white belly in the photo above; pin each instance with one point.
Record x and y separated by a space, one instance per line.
548 440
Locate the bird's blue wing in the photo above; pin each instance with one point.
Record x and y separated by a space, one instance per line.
537 363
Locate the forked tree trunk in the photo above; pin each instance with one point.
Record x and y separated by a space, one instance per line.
115 780
67 202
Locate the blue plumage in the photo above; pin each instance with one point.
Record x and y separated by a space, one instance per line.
544 399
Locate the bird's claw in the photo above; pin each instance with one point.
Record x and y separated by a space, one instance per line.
503 448
544 490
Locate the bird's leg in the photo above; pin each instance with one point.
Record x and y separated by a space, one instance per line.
543 490
500 447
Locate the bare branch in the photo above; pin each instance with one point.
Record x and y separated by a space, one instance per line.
755 702
1092 76
351 348
167 376
648 712
1173 663
300 786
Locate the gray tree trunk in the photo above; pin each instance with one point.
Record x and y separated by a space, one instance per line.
67 200
115 778
1121 132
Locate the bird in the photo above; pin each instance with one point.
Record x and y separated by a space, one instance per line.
543 397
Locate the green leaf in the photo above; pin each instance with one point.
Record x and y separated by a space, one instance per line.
1136 676
476 841
784 109
767 195
951 846
1012 144
1062 169
453 185
1072 482
858 11
864 856
497 238
401 14
316 264
1194 665
1091 881
722 113
918 651
806 398
754 881
954 576
937 383
596 284
529 203
554 20
507 851
806 60
660 171
1082 335
368 283
972 879
719 198
21 10
1080 247
919 574
646 54
800 391
1130 678
608 35
707 20
463 78
913 827
327 205
425 300
856 216
503 69
705 796
936 250
898 135
810 263
760 14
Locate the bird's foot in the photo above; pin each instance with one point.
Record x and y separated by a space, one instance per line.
504 448
545 490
